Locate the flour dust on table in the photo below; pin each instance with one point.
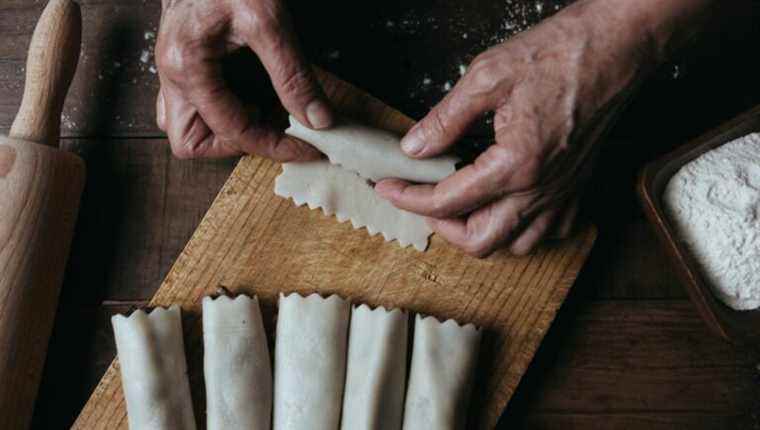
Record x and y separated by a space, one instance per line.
714 201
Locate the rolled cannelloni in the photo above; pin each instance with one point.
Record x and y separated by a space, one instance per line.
444 356
376 369
310 362
237 366
153 370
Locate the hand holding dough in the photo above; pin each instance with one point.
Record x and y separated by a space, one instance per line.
373 153
358 153
345 194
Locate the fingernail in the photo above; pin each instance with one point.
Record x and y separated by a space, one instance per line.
412 144
382 189
319 114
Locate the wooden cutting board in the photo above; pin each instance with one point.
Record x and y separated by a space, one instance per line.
254 242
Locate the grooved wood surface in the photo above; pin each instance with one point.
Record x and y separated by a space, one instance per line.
254 242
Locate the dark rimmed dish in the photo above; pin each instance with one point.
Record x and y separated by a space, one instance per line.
732 325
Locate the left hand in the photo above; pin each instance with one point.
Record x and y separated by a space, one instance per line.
554 90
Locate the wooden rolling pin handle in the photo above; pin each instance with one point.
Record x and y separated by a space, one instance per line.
50 66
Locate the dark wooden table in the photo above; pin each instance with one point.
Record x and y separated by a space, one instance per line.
627 350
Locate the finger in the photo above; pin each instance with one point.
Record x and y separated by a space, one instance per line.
292 76
486 229
160 111
566 222
188 134
495 173
534 234
205 119
448 121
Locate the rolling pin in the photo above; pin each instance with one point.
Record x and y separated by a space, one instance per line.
40 187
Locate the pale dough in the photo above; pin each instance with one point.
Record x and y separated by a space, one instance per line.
444 357
310 362
343 193
373 153
237 366
376 370
153 370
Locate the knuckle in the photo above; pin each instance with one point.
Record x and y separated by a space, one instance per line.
295 82
521 250
439 207
263 23
183 151
175 57
185 147
484 73
435 125
516 162
477 245
477 249
264 27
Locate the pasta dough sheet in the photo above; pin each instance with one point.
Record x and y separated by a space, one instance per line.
376 370
310 362
153 370
373 153
236 365
345 194
444 357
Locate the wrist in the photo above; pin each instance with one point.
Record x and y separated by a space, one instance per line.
660 27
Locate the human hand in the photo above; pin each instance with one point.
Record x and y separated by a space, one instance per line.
553 90
200 114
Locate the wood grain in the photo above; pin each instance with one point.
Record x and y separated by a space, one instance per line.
40 199
254 242
646 357
39 190
50 67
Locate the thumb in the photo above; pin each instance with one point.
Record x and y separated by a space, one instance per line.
293 78
447 122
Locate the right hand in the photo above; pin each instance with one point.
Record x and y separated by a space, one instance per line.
200 114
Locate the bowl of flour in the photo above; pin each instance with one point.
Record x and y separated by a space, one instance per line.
704 203
714 204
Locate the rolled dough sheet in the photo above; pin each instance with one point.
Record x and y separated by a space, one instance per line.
345 194
236 365
373 153
310 362
153 370
444 357
376 370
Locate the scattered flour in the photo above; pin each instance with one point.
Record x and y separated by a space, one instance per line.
502 21
714 201
145 56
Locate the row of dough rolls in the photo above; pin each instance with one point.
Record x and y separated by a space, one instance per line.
334 368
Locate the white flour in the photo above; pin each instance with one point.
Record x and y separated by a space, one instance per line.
714 201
